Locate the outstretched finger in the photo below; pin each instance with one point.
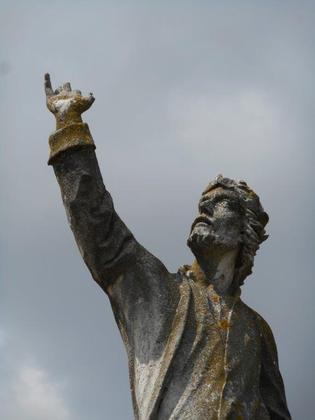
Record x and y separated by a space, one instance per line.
86 101
47 84
91 98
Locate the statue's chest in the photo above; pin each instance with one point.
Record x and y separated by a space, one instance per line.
230 329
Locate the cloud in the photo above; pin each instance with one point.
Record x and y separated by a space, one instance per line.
33 396
243 118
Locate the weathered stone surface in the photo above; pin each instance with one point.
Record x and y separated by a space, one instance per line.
195 350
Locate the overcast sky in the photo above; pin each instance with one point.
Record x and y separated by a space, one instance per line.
184 91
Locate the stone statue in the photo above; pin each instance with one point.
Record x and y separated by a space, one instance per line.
195 350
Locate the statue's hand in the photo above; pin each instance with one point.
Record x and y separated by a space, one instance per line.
67 105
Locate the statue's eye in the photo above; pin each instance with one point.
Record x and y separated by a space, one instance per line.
206 207
233 205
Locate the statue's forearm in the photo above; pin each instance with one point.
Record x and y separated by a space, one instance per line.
104 241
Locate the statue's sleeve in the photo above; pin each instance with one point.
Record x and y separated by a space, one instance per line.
107 246
271 383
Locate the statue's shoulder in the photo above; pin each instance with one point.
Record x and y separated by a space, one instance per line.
263 326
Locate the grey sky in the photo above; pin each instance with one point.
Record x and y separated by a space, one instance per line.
184 91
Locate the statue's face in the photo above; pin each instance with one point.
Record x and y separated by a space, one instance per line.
218 225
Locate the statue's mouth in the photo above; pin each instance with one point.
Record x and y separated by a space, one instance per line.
201 220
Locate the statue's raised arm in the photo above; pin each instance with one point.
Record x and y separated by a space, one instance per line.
106 244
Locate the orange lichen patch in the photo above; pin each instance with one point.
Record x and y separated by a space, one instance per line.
215 298
72 118
197 274
72 136
224 324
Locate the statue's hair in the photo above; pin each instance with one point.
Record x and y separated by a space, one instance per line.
254 222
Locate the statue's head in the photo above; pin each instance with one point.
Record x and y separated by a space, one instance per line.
230 218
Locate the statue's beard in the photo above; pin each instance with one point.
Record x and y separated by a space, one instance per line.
204 239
